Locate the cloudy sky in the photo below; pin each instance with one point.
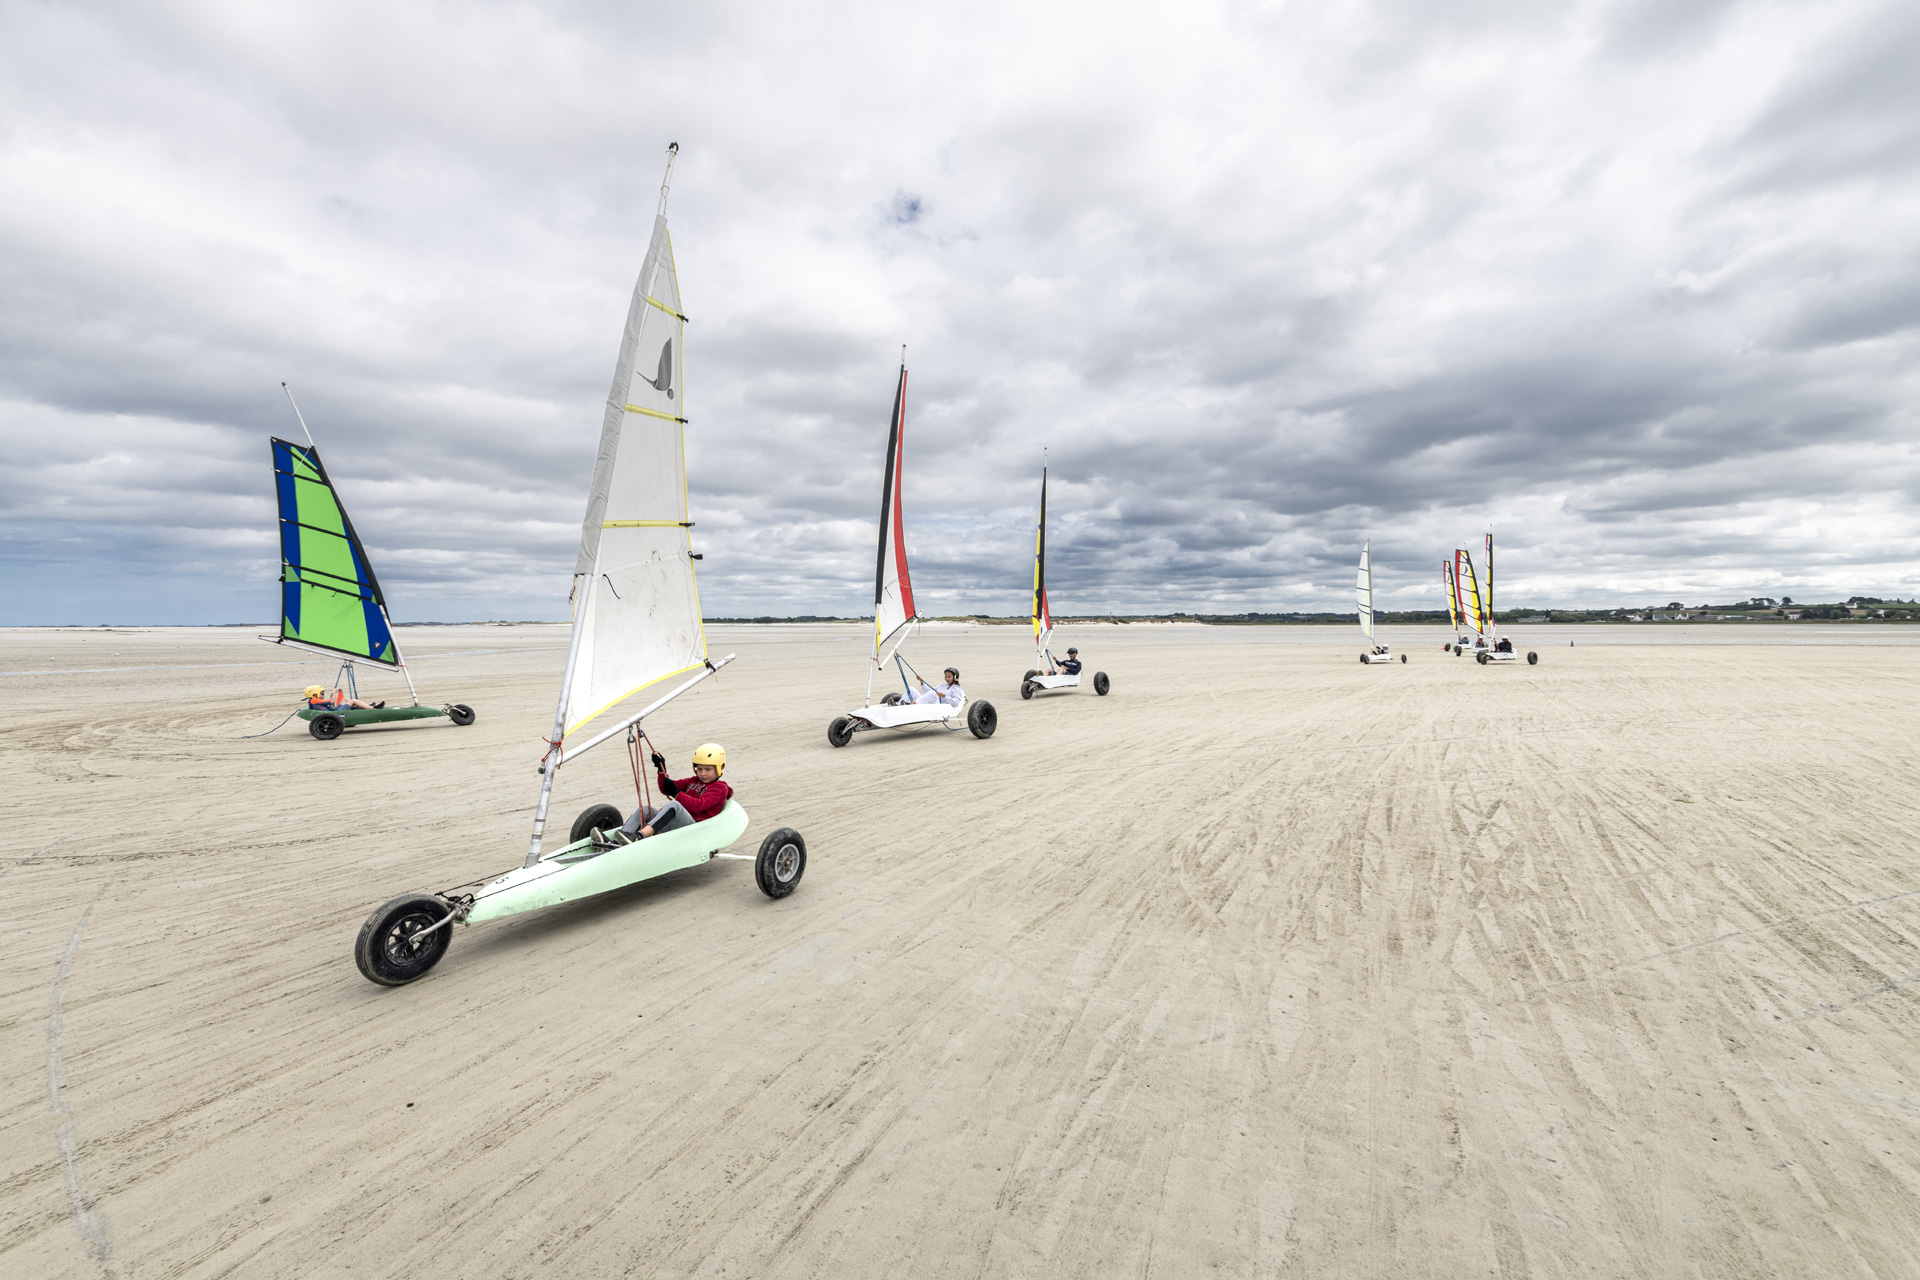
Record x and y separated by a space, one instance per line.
1635 284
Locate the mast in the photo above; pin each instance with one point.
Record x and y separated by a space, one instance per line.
1491 625
306 522
1042 615
1364 589
662 400
1470 584
893 606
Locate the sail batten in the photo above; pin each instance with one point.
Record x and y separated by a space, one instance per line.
893 606
319 549
636 604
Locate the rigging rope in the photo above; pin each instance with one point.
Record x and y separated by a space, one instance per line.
635 736
290 715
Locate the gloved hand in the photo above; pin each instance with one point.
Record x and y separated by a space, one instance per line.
659 762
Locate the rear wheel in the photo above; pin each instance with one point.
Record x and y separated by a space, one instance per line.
781 862
604 816
387 952
1100 683
1480 658
1026 690
1403 657
1364 659
982 719
889 699
840 732
326 728
1456 651
460 713
1031 673
1533 659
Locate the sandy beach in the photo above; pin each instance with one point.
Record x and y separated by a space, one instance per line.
1269 964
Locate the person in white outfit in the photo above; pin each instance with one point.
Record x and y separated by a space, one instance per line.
947 693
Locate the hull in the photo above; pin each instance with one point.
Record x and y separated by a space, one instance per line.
382 716
578 872
880 716
1057 682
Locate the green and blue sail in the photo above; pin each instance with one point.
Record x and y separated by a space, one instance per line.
329 598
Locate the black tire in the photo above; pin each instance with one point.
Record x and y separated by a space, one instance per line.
383 950
889 699
781 862
1026 690
326 728
840 732
1031 673
604 816
1403 657
1456 651
982 719
1100 683
460 713
1533 659
1480 658
1364 659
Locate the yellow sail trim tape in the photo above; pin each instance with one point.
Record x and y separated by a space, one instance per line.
655 413
646 524
669 310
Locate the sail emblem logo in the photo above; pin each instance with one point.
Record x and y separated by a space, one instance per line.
663 381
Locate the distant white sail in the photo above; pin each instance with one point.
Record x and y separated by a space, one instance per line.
635 604
892 584
1363 586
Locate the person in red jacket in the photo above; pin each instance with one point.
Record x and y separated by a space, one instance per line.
687 800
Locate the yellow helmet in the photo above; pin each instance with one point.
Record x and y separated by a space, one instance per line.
314 690
711 753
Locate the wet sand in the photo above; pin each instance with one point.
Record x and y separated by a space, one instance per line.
1267 964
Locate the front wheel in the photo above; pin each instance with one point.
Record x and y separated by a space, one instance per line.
326 728
1100 683
604 817
387 951
982 719
460 713
840 732
1533 659
781 862
1026 690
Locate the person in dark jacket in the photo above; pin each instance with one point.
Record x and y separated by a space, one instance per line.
1070 667
685 800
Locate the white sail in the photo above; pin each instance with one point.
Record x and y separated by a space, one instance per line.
892 584
1364 587
636 612
1042 611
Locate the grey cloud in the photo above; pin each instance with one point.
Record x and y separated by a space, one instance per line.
1265 285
